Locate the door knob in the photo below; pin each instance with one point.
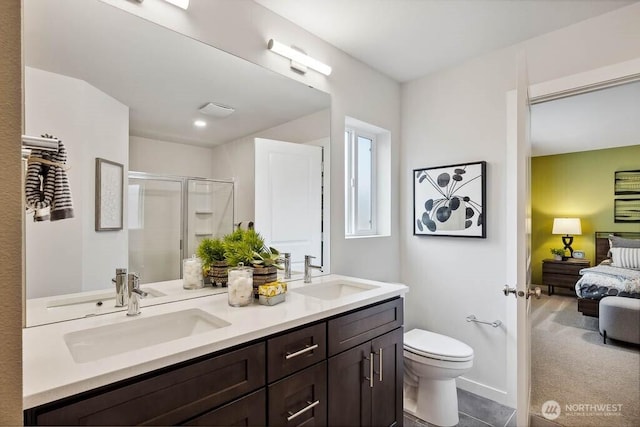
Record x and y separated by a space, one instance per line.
536 292
507 290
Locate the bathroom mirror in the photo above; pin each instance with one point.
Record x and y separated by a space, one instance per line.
114 86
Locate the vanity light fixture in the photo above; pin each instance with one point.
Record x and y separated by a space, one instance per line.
199 123
568 227
183 4
299 60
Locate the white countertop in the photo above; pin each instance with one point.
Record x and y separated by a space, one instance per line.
50 373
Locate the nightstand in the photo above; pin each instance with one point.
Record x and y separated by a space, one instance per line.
562 274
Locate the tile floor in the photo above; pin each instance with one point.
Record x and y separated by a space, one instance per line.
474 411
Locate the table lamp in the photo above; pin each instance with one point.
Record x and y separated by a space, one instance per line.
568 227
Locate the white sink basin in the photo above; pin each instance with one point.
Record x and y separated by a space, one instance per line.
333 290
97 343
104 299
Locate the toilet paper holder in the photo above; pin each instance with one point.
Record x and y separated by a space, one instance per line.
473 318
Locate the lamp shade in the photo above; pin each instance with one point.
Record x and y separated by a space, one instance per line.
567 226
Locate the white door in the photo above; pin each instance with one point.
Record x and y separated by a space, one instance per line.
519 238
288 198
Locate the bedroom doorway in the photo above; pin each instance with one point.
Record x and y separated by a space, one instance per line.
578 141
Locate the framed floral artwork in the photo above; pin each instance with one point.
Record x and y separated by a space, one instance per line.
109 195
450 200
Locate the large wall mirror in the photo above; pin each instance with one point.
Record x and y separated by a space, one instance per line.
113 86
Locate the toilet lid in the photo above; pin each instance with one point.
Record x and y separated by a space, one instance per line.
436 346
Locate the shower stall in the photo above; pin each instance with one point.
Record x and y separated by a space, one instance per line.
168 216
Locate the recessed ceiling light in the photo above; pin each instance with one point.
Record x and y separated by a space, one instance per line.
200 123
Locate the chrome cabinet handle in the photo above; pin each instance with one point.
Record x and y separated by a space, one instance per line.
380 365
310 405
370 377
299 352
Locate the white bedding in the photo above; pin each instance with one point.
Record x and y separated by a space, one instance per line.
602 280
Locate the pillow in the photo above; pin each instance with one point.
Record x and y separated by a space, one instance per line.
626 257
621 242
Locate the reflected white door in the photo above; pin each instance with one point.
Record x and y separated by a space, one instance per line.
288 198
519 238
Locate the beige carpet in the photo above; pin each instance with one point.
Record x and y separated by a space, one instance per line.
593 383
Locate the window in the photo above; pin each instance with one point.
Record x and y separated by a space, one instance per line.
360 182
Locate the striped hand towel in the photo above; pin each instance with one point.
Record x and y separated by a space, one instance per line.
47 186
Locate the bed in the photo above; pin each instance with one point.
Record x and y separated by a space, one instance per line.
605 279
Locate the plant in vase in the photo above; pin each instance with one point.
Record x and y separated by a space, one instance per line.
240 246
248 247
557 253
214 263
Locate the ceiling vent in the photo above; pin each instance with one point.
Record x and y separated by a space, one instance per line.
216 110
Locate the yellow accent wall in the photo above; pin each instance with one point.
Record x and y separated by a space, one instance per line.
576 185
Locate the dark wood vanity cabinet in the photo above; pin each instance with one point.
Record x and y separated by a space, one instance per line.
315 375
365 381
168 397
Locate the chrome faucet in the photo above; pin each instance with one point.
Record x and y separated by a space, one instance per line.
308 266
135 293
287 265
121 286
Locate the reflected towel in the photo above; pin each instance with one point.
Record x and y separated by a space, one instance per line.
47 186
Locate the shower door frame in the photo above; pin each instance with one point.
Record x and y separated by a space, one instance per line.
184 200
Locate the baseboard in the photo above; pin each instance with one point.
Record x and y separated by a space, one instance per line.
482 390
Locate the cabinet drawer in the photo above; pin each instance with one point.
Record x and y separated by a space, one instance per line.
300 399
170 397
562 280
564 268
296 350
250 410
360 326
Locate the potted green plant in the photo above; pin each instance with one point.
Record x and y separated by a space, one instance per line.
214 263
557 253
240 246
248 247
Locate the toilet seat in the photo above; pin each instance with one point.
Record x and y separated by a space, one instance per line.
435 346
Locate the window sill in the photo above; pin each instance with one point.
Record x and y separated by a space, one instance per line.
367 236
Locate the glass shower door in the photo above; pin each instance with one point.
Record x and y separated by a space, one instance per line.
155 227
209 211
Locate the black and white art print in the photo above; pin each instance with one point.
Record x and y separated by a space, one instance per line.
450 200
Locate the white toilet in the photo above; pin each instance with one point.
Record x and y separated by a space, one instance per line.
432 363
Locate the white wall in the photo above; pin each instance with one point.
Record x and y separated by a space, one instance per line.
243 29
169 158
236 160
308 128
90 124
459 115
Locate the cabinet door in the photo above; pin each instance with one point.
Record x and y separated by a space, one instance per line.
386 398
250 410
300 399
350 387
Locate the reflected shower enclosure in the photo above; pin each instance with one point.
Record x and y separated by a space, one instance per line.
168 216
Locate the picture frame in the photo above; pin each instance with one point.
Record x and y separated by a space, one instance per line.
626 210
109 195
450 200
627 183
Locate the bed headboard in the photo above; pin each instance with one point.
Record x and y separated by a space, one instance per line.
602 242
